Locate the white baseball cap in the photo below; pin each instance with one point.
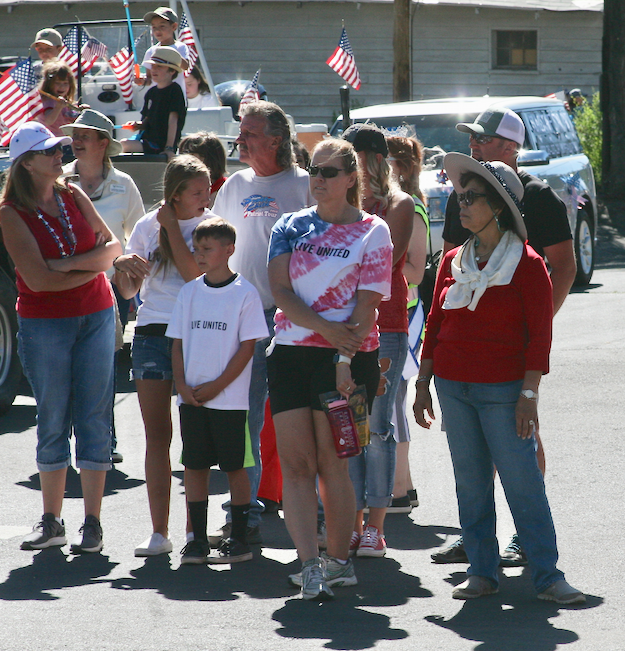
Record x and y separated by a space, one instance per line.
500 122
33 136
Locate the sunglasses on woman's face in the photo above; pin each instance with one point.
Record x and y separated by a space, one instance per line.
49 152
468 197
326 172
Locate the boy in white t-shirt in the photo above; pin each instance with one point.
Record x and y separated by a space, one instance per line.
215 324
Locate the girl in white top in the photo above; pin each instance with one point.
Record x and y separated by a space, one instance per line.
158 262
198 91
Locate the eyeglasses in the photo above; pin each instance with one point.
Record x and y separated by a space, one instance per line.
326 172
481 139
468 197
51 151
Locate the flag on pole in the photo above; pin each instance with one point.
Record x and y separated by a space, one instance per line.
19 97
342 61
122 64
251 94
91 50
186 36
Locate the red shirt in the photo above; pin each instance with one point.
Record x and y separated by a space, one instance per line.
91 297
508 333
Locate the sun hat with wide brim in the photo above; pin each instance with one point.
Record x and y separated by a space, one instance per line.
165 56
90 119
499 175
33 136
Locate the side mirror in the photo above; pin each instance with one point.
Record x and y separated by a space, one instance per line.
529 157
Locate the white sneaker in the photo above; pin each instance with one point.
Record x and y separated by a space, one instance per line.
154 545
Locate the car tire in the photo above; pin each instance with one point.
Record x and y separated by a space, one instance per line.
584 248
10 367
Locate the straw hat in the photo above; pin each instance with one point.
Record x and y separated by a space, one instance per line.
165 56
90 119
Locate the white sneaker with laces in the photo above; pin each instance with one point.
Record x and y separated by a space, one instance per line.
154 545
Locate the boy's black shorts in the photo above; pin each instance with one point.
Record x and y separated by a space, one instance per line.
212 436
298 374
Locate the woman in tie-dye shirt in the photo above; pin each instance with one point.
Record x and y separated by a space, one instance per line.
329 268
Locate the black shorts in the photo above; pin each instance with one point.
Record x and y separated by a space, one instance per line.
298 374
213 436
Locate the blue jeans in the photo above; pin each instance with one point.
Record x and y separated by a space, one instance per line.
256 418
481 431
373 471
69 364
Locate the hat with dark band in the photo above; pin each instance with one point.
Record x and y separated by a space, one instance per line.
164 55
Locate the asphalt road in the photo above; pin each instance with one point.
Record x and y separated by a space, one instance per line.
51 600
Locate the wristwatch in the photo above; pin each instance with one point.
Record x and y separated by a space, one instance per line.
341 359
529 394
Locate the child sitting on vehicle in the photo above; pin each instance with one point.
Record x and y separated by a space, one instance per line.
215 324
164 110
164 23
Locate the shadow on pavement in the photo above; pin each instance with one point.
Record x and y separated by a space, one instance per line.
19 419
116 481
51 570
402 532
515 608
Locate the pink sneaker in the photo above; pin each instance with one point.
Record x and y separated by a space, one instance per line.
353 543
372 543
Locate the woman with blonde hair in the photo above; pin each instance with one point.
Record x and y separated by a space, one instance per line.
329 268
158 261
373 472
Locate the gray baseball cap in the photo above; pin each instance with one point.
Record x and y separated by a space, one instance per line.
499 122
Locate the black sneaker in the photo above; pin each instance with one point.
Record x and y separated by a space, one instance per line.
231 551
195 552
252 535
453 554
400 505
46 533
414 499
513 555
90 538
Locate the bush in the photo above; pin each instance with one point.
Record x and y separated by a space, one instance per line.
588 122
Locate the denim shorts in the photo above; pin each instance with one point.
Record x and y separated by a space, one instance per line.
151 358
69 364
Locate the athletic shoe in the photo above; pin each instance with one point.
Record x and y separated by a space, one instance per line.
252 535
513 555
473 588
271 506
372 543
412 494
400 505
353 543
562 593
46 533
314 586
116 457
322 535
453 554
89 539
337 574
154 545
195 552
231 551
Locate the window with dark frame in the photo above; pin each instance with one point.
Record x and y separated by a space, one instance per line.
515 50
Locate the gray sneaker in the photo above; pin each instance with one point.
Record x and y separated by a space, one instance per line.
453 554
89 539
314 586
337 574
46 533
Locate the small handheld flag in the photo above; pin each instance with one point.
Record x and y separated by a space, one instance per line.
343 63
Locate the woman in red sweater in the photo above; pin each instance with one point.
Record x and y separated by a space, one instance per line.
487 343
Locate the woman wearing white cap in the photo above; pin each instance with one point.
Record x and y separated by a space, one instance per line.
61 248
114 193
487 344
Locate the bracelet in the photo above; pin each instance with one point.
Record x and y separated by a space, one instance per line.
341 359
423 379
115 266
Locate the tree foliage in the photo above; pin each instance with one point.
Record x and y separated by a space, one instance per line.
588 122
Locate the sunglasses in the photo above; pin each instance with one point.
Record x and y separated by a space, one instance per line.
481 139
468 197
50 151
326 172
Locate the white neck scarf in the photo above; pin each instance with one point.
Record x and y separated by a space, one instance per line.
471 282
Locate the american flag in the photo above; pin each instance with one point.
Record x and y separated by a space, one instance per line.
342 61
186 36
92 50
251 94
19 97
122 64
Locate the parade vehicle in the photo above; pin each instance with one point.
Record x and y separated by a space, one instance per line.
551 152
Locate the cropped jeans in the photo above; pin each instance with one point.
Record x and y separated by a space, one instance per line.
481 432
373 471
69 364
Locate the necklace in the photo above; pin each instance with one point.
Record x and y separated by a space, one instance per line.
67 229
